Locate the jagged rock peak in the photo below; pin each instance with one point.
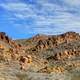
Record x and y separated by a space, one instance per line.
69 34
4 37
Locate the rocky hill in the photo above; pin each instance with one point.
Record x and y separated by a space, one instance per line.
50 54
8 47
62 46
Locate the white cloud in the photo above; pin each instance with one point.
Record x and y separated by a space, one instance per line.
14 6
73 2
46 16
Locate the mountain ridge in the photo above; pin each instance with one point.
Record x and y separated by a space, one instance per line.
58 54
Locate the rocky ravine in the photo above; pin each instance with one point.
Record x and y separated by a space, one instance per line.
43 57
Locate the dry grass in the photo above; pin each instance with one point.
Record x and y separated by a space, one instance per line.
22 76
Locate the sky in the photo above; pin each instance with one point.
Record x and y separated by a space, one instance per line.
26 18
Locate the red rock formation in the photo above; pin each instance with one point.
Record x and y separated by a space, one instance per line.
25 62
45 42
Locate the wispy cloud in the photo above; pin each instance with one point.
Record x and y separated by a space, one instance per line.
75 3
44 16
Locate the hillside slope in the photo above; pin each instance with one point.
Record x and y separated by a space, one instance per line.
42 57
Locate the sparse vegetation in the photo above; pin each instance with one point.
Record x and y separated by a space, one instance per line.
22 76
51 57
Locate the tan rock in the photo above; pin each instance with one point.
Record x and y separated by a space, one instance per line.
25 62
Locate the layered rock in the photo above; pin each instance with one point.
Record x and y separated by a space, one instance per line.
8 47
46 42
62 47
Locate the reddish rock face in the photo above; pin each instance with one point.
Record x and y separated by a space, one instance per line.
46 49
2 46
25 62
10 45
4 37
39 37
45 42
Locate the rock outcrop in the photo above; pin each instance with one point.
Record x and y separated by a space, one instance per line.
9 49
65 55
25 62
46 49
46 42
52 69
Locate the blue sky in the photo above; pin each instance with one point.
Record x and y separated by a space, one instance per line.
25 18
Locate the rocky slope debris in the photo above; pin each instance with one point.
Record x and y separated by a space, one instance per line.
44 50
46 42
51 57
9 49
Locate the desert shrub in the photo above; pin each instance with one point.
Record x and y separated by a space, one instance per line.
2 58
22 76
